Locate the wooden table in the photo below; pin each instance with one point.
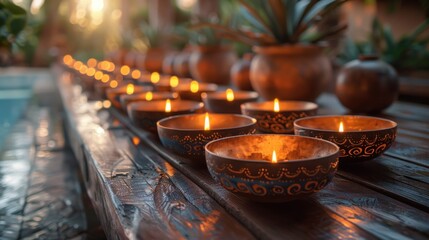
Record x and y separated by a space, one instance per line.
140 190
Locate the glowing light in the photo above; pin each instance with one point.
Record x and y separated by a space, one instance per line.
92 62
125 70
99 75
104 65
229 95
111 67
90 72
174 81
35 6
105 78
136 140
136 74
68 60
154 77
206 122
107 104
167 105
149 96
194 86
274 157
77 65
113 84
276 105
341 127
83 69
130 88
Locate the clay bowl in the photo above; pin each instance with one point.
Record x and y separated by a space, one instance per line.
185 92
146 114
217 101
243 165
185 134
281 121
114 94
165 85
125 100
363 138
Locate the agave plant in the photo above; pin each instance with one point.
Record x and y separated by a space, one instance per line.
275 22
12 21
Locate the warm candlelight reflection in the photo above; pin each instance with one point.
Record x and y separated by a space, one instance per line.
274 157
130 88
207 122
229 95
174 81
276 105
149 96
98 75
125 70
341 127
167 105
113 84
154 77
136 74
194 86
105 78
136 140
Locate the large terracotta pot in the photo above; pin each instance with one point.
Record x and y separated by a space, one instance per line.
212 64
240 73
367 85
181 64
153 59
290 72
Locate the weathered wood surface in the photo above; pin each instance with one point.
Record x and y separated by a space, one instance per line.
384 198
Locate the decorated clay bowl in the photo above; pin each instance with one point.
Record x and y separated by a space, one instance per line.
146 114
243 165
125 100
217 102
185 134
363 138
281 121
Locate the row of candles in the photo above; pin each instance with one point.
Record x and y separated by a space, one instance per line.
151 102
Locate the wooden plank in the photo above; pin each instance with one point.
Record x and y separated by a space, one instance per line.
263 220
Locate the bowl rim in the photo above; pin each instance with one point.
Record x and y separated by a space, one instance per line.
279 162
245 106
198 105
158 124
296 123
215 95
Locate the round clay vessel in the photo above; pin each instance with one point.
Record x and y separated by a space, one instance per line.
152 61
367 85
290 72
168 63
240 73
212 64
181 64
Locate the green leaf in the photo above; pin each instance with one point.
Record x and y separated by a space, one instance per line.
16 24
13 8
257 18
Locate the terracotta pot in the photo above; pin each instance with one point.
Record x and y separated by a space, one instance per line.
212 64
367 85
290 72
181 64
153 59
240 73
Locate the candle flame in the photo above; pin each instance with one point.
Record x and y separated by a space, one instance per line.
130 89
111 67
83 69
113 84
68 60
194 86
107 104
77 65
90 72
174 81
167 105
149 96
274 157
154 77
229 95
125 70
105 78
341 127
98 75
92 62
136 74
207 122
276 105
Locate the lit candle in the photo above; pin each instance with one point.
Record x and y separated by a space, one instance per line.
154 77
174 81
136 74
130 89
168 105
105 78
98 75
92 62
206 122
113 84
229 95
274 157
149 96
276 105
125 70
341 127
194 87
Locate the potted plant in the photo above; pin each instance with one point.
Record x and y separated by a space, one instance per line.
289 60
12 21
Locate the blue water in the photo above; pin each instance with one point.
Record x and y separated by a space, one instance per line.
15 95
